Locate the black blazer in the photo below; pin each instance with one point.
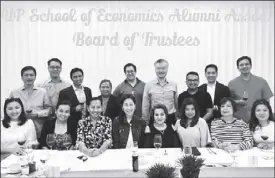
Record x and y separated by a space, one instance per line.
69 94
112 109
49 127
220 92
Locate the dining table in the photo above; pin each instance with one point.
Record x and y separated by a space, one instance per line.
118 163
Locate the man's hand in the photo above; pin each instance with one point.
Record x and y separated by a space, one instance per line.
147 129
241 102
79 108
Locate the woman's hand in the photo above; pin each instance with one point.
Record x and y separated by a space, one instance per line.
147 129
92 152
264 146
44 148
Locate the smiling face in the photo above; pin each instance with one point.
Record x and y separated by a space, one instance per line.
28 77
105 89
63 112
129 107
95 108
211 74
262 112
130 73
161 69
14 110
77 78
227 109
159 116
244 66
190 111
192 81
54 69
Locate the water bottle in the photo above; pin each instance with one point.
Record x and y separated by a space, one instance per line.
135 161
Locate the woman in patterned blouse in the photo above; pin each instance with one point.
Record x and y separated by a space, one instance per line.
228 132
94 131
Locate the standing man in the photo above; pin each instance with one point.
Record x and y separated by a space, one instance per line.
35 99
202 98
54 84
247 88
216 90
160 91
109 104
78 95
131 85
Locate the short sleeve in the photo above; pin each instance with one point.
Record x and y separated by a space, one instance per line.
30 132
266 91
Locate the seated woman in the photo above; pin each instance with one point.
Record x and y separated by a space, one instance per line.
228 132
127 127
262 124
60 127
94 133
158 125
15 125
192 130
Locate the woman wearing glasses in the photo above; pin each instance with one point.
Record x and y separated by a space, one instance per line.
16 129
58 134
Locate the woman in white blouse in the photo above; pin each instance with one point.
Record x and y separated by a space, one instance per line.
262 124
192 130
16 124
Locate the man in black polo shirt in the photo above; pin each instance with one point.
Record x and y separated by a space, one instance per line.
202 98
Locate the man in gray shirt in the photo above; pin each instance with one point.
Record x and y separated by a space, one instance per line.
54 84
131 85
247 88
160 91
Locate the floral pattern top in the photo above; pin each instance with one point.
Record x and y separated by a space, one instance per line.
94 136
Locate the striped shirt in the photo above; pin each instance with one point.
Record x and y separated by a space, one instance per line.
236 132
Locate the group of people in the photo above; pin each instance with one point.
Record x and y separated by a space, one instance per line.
233 117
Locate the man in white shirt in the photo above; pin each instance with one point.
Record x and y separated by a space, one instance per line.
216 90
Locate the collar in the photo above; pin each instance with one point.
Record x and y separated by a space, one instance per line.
34 88
49 80
157 81
131 122
75 89
212 85
235 119
126 81
250 76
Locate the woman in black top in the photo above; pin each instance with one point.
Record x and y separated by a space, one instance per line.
158 125
58 126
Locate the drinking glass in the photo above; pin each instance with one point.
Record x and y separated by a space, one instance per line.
187 150
265 137
245 96
50 140
157 143
135 147
67 141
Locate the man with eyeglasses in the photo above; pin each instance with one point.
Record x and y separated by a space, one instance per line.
202 98
131 85
54 84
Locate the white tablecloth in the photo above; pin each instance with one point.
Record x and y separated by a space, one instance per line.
121 159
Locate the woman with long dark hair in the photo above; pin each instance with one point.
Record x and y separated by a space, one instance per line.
158 125
192 130
16 127
262 124
128 128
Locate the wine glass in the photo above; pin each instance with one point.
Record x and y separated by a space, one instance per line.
245 95
21 140
50 140
157 142
67 141
265 137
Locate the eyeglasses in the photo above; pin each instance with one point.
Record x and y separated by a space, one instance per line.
55 67
193 80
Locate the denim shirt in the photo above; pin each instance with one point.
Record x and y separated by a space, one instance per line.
121 130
